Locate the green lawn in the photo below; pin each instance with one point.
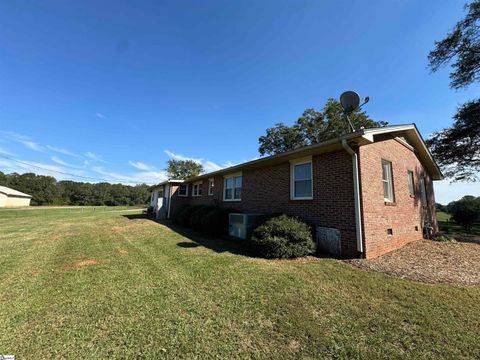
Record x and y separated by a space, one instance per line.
447 224
102 285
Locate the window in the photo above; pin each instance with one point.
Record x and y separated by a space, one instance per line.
301 179
423 191
160 193
211 184
232 190
197 189
411 188
183 190
387 181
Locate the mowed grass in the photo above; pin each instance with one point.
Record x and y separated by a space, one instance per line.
448 225
103 285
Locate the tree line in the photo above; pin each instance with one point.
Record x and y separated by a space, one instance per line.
46 190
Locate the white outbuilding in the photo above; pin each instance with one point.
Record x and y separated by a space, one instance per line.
10 198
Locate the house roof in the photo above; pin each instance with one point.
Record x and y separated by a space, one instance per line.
360 137
11 192
171 181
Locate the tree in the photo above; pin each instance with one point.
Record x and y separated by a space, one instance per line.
183 169
465 211
457 149
313 127
47 191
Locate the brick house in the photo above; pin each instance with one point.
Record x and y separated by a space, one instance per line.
372 187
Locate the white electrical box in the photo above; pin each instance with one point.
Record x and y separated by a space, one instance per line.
240 225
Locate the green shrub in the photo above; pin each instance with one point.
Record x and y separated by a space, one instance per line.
179 217
196 217
465 211
215 223
282 237
444 238
186 215
150 212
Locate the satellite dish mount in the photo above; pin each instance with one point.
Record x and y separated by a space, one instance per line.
350 102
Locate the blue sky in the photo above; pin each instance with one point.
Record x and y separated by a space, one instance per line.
113 89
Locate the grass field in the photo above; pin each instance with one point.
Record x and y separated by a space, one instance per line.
448 225
103 285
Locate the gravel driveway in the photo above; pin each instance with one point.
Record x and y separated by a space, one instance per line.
430 262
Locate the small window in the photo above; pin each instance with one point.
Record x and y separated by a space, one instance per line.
390 231
160 193
232 188
423 191
211 184
301 178
387 181
411 188
183 190
197 189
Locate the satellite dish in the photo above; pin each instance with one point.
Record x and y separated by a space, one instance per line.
350 101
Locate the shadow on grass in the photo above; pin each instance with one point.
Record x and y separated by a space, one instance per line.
219 245
187 244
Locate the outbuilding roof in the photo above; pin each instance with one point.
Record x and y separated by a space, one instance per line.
13 193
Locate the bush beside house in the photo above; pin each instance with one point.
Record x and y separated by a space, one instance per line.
283 237
273 237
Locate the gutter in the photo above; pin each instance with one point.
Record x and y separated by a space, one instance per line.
356 194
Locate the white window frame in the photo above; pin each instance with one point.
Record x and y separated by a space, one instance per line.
293 163
197 189
411 182
231 176
389 181
186 190
211 182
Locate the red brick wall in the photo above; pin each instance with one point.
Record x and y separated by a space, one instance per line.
267 190
406 212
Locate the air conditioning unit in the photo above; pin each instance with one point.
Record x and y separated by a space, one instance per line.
240 225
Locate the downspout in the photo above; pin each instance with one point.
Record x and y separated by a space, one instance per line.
356 195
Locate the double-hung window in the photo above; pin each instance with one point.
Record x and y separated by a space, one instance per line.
411 188
197 189
387 181
301 174
211 184
232 187
183 190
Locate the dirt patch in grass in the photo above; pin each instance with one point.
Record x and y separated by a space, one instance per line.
430 262
122 251
85 263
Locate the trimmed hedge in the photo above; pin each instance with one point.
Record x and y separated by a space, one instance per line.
215 223
197 216
209 220
282 237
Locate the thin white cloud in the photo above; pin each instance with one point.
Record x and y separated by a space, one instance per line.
32 145
22 139
100 115
208 166
58 172
141 166
147 177
94 156
5 152
61 151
